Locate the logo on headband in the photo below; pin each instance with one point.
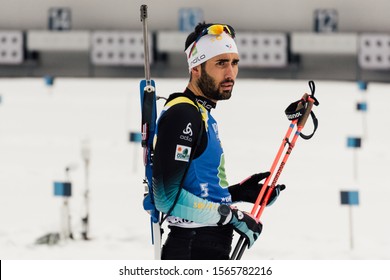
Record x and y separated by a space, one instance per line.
198 59
194 51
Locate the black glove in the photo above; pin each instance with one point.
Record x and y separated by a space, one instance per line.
244 223
249 189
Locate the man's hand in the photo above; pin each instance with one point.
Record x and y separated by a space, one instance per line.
249 189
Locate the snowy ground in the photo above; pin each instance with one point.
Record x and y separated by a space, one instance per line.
42 130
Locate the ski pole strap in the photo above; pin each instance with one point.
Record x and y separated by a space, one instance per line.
315 123
297 109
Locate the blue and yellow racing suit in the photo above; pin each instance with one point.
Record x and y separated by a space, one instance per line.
192 196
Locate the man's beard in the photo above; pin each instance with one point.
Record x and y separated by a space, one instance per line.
208 86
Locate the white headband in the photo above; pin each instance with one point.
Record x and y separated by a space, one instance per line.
209 46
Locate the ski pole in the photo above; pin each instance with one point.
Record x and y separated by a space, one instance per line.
261 203
300 125
261 194
149 113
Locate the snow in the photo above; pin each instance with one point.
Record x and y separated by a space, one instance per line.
42 130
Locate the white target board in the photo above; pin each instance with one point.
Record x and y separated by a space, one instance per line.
374 51
262 49
11 47
119 48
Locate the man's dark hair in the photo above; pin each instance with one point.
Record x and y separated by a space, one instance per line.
195 34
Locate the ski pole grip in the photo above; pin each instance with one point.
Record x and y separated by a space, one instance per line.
303 119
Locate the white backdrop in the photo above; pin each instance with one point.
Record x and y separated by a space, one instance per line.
42 129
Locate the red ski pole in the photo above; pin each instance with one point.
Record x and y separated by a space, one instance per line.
256 205
262 200
301 124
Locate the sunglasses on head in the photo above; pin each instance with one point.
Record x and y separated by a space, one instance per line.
217 29
214 29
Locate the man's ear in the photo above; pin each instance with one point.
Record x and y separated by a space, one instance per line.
196 71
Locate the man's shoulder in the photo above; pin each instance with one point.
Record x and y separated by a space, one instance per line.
181 97
180 108
180 100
